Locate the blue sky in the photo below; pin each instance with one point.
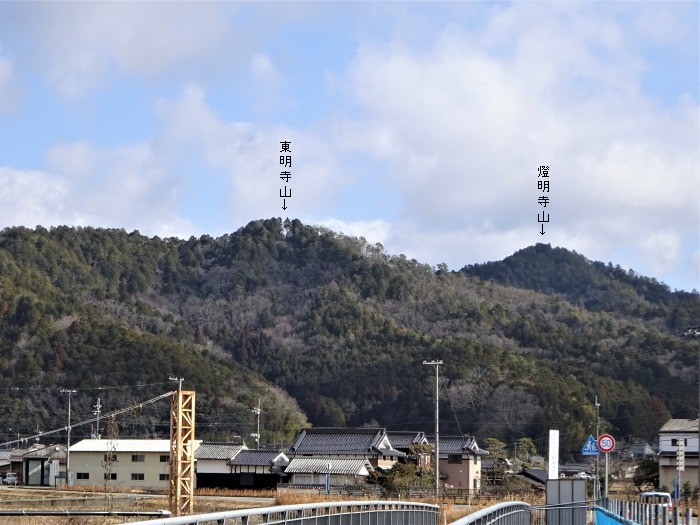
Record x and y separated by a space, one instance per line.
417 125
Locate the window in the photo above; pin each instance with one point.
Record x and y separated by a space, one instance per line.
82 475
165 459
476 459
113 475
139 458
137 476
454 459
674 442
164 477
110 458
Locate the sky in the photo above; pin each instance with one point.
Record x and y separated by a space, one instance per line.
420 126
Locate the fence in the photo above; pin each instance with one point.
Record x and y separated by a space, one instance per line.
646 514
341 513
510 513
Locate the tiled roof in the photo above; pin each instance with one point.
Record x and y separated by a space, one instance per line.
320 466
258 457
458 445
332 440
5 454
537 474
404 439
217 451
48 452
680 425
391 453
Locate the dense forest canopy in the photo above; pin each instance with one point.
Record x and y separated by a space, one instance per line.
330 330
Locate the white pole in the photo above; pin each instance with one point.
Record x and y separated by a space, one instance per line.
606 474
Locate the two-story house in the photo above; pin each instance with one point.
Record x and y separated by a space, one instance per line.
460 461
676 435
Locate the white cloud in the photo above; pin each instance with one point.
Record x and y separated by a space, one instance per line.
262 69
31 198
247 159
471 116
374 231
117 187
83 44
8 92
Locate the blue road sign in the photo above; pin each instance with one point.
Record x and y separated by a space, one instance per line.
590 448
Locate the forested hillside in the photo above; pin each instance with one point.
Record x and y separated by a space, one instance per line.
326 327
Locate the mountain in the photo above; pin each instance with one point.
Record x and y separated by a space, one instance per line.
591 284
329 328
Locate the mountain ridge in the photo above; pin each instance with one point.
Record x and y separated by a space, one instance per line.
311 319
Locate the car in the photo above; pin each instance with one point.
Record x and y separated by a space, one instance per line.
10 479
657 498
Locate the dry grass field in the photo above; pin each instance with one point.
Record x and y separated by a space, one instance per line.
205 501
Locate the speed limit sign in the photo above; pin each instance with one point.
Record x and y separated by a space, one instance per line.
606 443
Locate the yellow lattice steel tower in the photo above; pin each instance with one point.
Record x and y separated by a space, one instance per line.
182 453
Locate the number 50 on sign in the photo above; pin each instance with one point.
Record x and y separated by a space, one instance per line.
606 443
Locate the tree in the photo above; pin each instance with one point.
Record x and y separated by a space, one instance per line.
647 474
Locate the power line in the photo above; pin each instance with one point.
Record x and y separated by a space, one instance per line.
90 421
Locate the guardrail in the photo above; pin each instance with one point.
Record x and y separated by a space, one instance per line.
509 513
340 513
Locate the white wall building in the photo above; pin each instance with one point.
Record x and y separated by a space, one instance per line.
675 434
133 463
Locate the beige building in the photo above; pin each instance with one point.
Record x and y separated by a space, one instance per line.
132 463
460 462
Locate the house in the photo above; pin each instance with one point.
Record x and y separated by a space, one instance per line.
460 461
347 443
133 463
37 465
5 465
641 450
42 465
674 436
403 441
16 461
212 465
573 470
335 471
258 469
535 477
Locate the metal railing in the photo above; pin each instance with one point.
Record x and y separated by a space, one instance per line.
645 513
339 513
509 513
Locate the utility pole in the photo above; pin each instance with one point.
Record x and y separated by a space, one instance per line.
436 364
70 393
257 436
695 332
596 485
179 382
98 408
